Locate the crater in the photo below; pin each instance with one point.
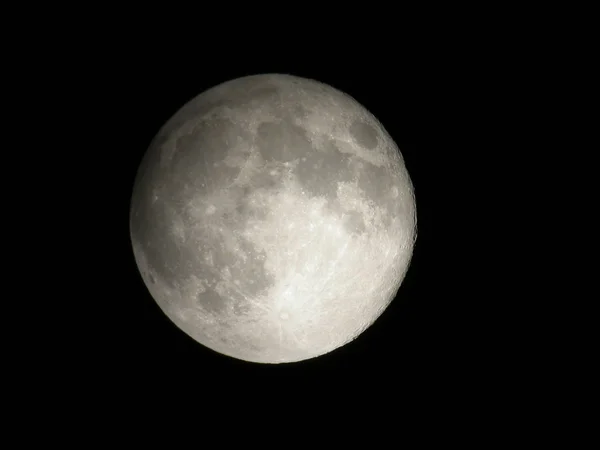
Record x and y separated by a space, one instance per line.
254 280
353 222
232 94
243 263
195 109
282 141
263 93
319 172
211 302
163 250
243 91
264 179
375 182
247 210
200 154
241 308
299 112
364 134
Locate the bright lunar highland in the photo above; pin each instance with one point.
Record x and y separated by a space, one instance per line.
273 219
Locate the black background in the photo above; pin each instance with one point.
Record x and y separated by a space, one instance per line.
432 342
459 90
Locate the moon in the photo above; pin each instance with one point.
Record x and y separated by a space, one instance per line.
273 219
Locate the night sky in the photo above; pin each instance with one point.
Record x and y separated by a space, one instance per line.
429 340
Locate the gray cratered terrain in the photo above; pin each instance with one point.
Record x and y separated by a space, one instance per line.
273 219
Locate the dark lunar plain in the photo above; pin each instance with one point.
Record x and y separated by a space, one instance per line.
426 343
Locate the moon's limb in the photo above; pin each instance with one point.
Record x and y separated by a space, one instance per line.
273 219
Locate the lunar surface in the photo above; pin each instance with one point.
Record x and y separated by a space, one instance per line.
273 219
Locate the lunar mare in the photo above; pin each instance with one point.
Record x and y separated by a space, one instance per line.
273 219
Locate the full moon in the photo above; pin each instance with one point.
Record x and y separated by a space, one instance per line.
273 219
